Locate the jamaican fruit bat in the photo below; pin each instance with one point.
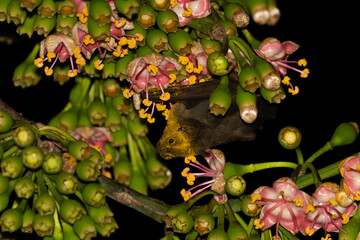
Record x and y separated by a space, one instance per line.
191 128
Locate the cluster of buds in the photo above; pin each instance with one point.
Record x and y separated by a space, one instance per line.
55 189
99 114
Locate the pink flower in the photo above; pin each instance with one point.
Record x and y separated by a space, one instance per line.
216 163
275 52
350 171
189 9
325 212
283 204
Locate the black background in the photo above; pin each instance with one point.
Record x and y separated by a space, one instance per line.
327 34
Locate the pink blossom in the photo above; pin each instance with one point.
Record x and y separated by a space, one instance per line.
283 204
350 171
275 52
94 136
325 212
199 9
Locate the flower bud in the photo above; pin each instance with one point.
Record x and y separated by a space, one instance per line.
30 5
60 74
235 185
345 133
107 229
97 32
289 137
182 223
66 183
27 222
68 120
137 128
4 200
157 40
217 234
230 28
219 64
12 166
24 187
204 223
45 204
270 79
119 137
220 98
167 21
71 210
43 225
97 112
273 96
80 150
43 26
180 42
27 27
66 8
146 16
15 13
101 215
6 122
248 208
127 7
32 157
52 163
250 79
235 13
246 102
100 11
122 171
11 220
87 170
4 184
94 195
24 136
47 9
85 228
108 70
236 231
111 87
160 5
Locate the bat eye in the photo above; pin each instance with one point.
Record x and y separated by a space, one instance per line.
171 140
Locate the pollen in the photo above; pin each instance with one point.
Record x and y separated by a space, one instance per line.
50 56
302 62
127 93
172 77
185 194
85 11
192 79
165 96
142 113
166 114
153 69
150 119
294 91
305 73
189 67
183 60
72 73
123 41
80 61
202 80
173 3
98 64
255 197
333 202
147 102
97 148
298 202
345 218
257 223
121 23
39 62
77 52
139 37
88 40
185 171
107 174
82 17
187 12
199 69
327 237
189 159
309 208
160 107
309 231
286 80
48 71
108 158
131 43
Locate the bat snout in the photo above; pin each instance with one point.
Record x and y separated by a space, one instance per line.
164 151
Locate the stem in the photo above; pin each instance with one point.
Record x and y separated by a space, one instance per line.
58 138
299 156
240 220
317 154
238 169
52 189
221 217
316 176
150 207
40 181
216 31
10 151
296 172
59 131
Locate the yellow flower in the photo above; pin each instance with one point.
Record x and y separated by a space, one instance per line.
187 12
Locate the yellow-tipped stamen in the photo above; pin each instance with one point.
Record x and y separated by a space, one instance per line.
39 62
294 91
202 80
286 80
302 62
173 3
127 93
327 237
309 208
257 223
345 218
85 11
72 73
172 78
121 23
123 41
255 197
187 12
185 171
189 159
153 69
82 18
147 102
48 71
150 119
189 67
309 231
97 148
199 69
108 158
88 40
333 202
298 202
77 52
192 79
139 36
160 107
107 174
166 114
131 43
186 195
305 73
357 195
98 64
165 96
183 60
142 113
80 61
50 56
